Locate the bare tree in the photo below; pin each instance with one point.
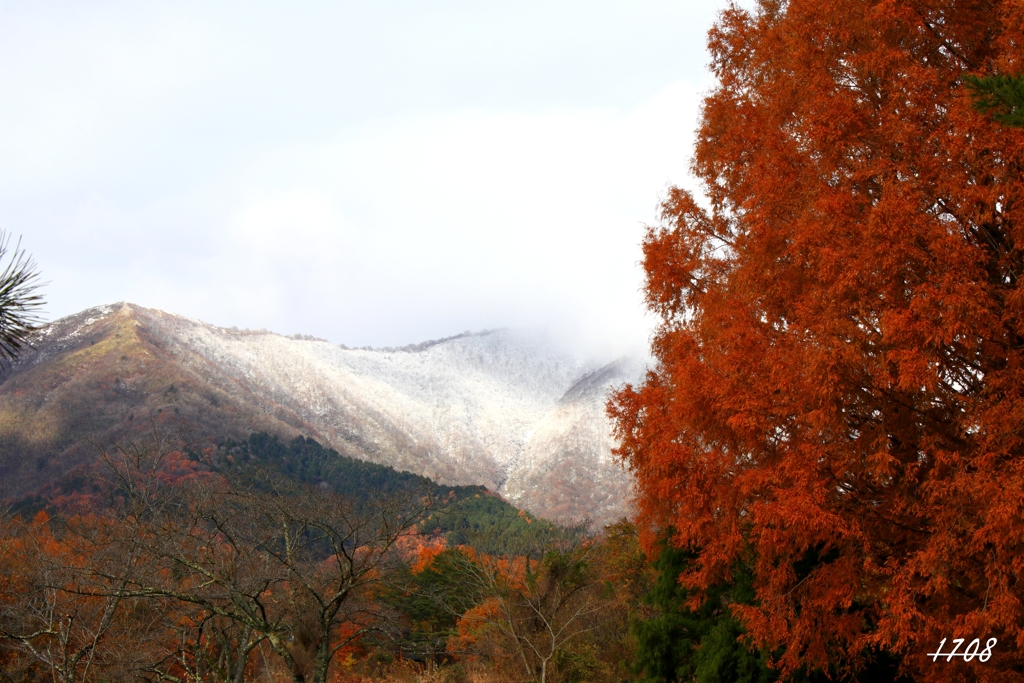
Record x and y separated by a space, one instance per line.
289 564
334 553
206 648
544 597
180 578
59 611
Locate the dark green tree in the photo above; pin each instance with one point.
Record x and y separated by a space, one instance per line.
430 603
708 645
677 643
19 299
1001 97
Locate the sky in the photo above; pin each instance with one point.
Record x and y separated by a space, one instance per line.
369 173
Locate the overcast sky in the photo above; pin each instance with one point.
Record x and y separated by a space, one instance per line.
371 173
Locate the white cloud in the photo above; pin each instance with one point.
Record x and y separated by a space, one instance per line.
371 177
479 218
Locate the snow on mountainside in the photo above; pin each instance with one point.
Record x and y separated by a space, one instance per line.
494 408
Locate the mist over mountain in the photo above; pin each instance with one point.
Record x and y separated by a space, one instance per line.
497 408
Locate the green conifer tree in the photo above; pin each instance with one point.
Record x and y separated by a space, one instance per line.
705 645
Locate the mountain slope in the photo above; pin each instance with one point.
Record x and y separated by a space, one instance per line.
495 408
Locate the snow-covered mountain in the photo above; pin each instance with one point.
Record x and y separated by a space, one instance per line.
496 408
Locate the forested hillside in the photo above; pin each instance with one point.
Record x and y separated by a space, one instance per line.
267 559
461 515
498 409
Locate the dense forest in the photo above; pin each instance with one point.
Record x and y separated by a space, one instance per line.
464 515
262 560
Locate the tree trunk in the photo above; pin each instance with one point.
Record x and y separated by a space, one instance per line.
323 663
281 650
243 654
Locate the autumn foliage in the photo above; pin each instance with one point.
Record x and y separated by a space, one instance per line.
164 565
837 397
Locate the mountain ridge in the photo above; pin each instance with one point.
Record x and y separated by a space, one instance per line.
493 408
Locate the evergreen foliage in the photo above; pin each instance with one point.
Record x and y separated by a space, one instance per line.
1000 97
677 643
491 526
431 601
305 460
465 515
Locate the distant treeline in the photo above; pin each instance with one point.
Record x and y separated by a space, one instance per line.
464 515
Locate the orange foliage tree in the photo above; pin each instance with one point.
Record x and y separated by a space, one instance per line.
837 395
531 610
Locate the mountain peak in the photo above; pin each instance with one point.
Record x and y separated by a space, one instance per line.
496 408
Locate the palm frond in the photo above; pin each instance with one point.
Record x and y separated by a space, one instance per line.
20 300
